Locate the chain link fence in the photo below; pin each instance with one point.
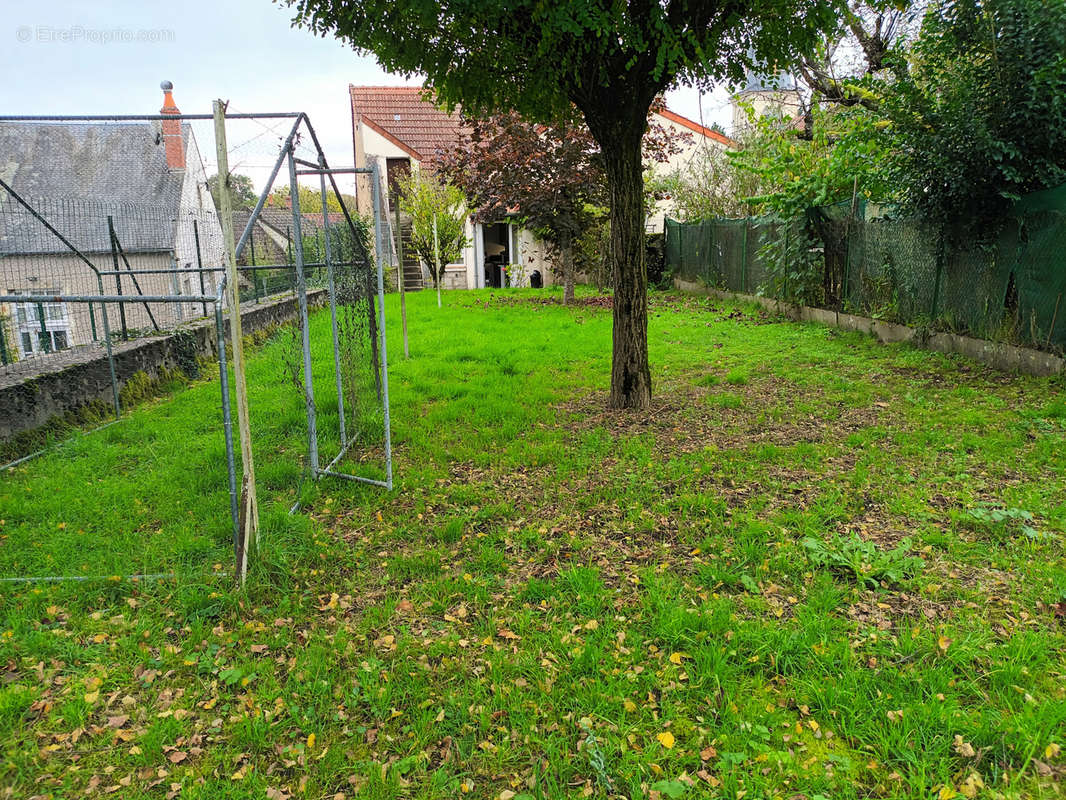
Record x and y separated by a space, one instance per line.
855 259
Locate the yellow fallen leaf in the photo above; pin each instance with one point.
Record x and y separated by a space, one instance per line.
310 741
1051 751
943 643
91 697
629 706
947 793
666 739
592 625
675 658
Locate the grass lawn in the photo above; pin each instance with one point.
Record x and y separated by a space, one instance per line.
817 567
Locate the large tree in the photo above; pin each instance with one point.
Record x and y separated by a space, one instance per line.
610 59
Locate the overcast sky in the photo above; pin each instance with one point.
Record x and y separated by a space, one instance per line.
73 57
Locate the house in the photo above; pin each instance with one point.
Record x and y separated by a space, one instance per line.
146 177
398 129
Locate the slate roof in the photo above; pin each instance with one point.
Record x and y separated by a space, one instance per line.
402 115
76 175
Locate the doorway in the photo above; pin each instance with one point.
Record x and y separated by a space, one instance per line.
497 249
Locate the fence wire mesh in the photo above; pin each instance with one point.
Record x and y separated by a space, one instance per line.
124 214
899 269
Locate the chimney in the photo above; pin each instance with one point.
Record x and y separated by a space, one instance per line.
173 142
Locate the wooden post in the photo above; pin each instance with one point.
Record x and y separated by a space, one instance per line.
401 280
249 509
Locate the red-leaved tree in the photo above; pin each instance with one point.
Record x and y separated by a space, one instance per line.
548 178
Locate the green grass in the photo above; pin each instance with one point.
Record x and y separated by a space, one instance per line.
809 569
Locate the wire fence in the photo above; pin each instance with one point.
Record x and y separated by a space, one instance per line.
851 258
110 236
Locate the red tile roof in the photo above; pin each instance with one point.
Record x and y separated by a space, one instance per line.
401 115
695 127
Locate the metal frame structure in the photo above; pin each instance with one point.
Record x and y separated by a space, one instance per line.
323 171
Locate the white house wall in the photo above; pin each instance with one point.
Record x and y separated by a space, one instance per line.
196 204
691 149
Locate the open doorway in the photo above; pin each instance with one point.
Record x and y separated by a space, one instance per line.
497 249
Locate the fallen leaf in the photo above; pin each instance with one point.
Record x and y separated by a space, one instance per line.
963 748
666 739
177 756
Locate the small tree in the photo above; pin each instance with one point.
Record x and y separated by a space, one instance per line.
242 192
545 176
438 221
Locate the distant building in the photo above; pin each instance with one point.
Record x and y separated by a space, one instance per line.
399 130
148 177
767 96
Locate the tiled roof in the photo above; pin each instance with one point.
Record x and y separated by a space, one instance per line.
402 115
82 173
695 127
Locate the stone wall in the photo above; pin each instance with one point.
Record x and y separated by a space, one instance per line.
33 401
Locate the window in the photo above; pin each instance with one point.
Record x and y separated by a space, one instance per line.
55 334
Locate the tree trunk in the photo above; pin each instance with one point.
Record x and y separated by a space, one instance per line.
630 374
566 257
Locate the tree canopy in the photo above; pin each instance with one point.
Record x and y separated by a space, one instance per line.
608 59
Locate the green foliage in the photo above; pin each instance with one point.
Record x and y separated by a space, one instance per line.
863 560
981 117
1003 523
842 159
381 630
438 217
242 192
708 186
310 200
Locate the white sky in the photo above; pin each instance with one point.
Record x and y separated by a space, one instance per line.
66 57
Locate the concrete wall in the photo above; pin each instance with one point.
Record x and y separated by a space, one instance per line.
33 402
1006 357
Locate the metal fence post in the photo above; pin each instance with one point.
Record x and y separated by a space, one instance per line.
199 261
118 278
332 303
46 340
305 327
227 424
107 343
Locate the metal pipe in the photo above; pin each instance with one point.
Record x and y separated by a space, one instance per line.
227 418
384 484
169 270
33 212
150 576
332 309
286 148
305 328
114 298
107 343
118 280
46 339
384 353
43 450
335 171
116 244
199 262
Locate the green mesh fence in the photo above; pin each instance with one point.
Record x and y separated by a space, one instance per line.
903 270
